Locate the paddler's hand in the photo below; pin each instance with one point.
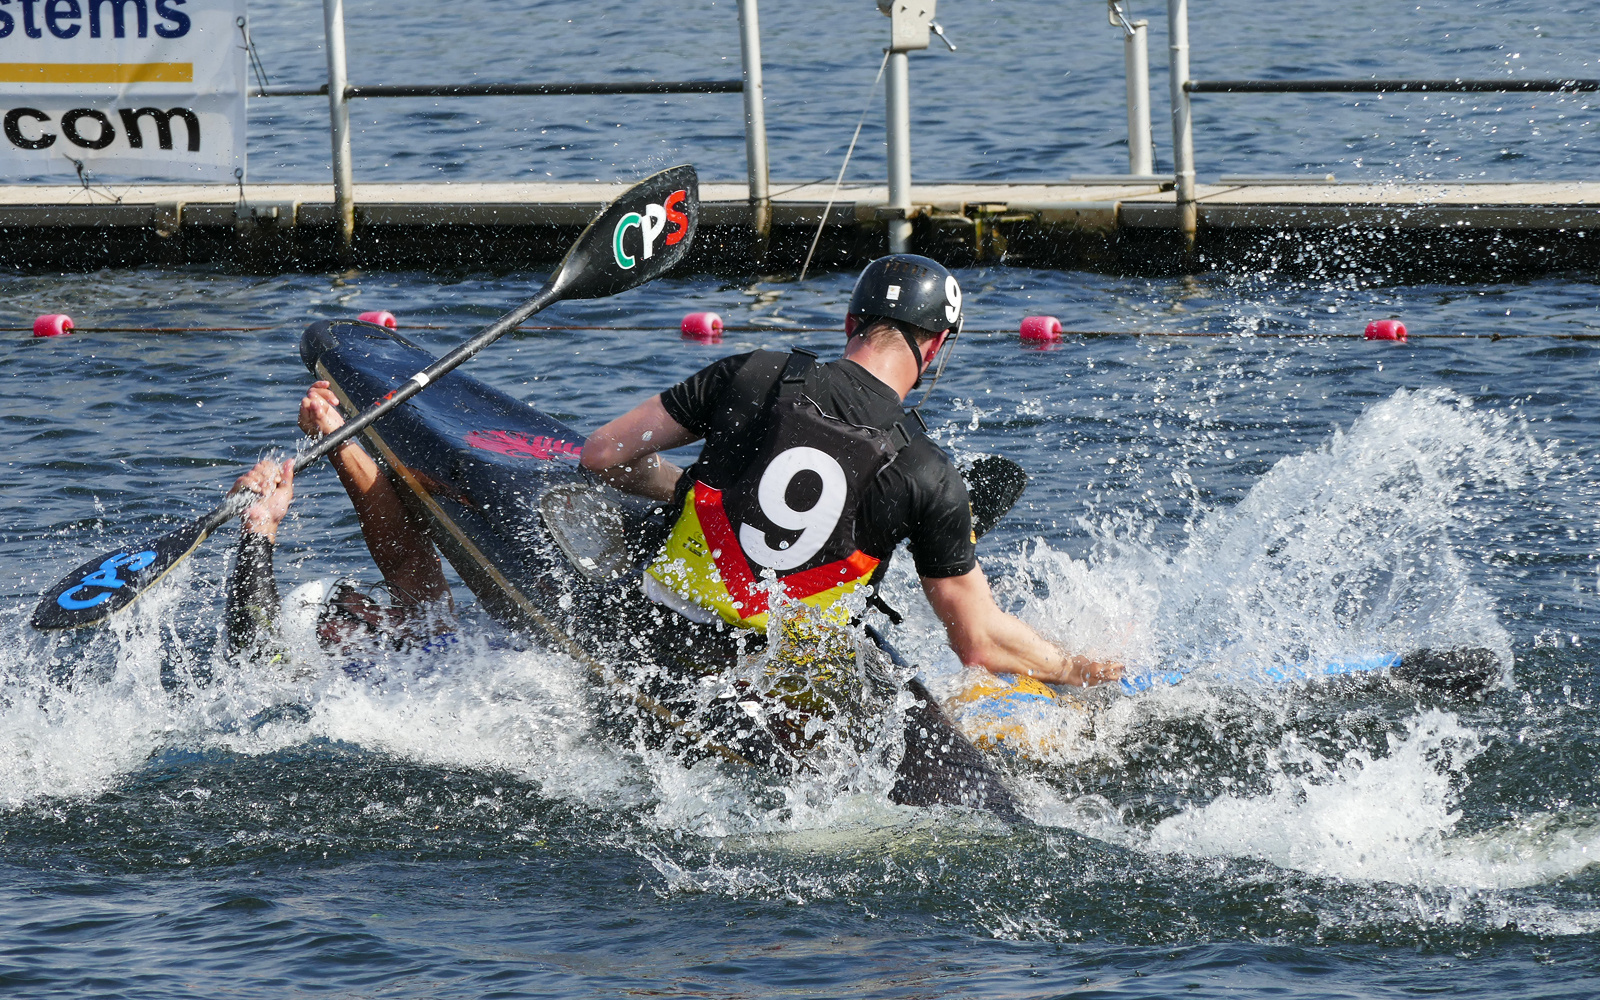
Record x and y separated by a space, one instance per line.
274 484
1080 671
319 410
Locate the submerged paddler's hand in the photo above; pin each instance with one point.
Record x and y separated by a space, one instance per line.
273 482
1080 671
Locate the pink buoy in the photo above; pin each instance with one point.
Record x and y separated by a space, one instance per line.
1386 329
380 318
1041 328
52 325
702 326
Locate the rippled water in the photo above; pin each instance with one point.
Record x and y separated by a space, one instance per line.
1034 91
462 829
459 827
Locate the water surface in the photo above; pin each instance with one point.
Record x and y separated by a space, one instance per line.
464 829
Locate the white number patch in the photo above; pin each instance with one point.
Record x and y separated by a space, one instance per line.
952 298
815 525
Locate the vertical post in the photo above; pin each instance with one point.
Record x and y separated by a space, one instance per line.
910 27
339 123
755 124
897 123
1182 125
1136 55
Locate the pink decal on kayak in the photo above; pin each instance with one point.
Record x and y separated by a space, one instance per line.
519 445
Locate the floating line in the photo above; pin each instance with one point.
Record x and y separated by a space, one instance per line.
1173 334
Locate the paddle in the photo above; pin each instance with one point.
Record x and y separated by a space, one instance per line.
635 239
1463 670
994 485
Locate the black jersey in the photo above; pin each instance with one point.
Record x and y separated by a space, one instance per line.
919 496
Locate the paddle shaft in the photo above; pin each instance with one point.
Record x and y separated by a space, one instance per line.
548 294
236 504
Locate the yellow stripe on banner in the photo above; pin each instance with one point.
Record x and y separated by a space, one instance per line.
160 72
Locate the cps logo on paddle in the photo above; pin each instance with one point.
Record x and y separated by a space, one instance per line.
650 226
104 577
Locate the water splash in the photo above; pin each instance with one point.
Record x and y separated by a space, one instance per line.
1346 550
1347 547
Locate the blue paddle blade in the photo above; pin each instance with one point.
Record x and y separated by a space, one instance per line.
1461 671
108 583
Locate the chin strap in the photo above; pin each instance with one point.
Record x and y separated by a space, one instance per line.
916 352
947 349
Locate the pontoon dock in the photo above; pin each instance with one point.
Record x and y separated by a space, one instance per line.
1509 227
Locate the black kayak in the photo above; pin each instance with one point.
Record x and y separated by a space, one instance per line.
489 476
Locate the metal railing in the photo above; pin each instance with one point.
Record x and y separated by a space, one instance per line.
910 29
1456 86
510 89
1136 62
340 92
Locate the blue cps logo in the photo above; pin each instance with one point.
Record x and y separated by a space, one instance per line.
105 578
650 226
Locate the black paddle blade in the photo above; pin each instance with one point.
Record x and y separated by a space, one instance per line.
941 767
638 237
994 484
1466 670
108 583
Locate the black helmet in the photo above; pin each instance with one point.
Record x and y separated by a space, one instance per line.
907 287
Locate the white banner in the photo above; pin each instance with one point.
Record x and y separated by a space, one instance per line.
129 89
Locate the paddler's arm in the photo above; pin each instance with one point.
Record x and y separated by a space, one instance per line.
623 452
982 635
252 601
404 555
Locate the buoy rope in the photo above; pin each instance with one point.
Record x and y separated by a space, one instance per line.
661 328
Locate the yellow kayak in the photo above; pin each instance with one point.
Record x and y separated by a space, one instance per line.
1012 714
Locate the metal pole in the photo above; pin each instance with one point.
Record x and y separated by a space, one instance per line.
1136 55
755 123
339 123
1182 125
897 124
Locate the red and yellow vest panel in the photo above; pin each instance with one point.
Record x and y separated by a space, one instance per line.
704 563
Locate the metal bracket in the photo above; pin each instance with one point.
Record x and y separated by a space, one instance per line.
892 212
910 23
258 214
1118 18
168 218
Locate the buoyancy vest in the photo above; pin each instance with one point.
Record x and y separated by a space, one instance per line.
792 510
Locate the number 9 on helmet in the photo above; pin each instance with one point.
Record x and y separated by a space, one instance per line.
914 290
910 288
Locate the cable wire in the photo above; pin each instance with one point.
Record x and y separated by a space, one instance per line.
843 167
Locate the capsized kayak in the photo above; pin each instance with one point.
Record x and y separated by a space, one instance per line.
485 472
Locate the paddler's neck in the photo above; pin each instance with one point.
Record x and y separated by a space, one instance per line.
889 361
